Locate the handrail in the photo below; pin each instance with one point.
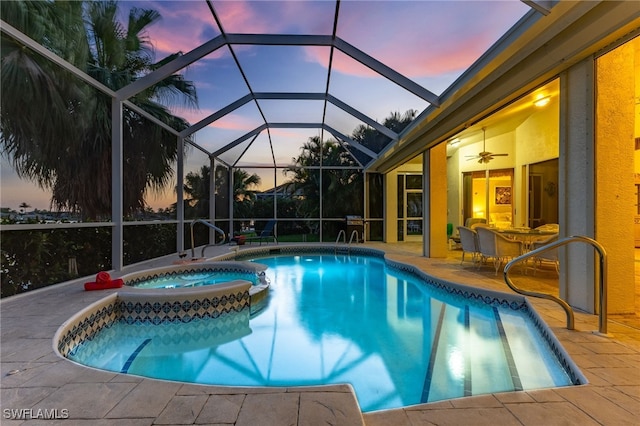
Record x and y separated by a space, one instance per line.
602 323
354 232
210 225
344 236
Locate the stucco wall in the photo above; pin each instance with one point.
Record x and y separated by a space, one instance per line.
615 191
437 212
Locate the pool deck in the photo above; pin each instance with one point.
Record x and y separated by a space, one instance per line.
37 384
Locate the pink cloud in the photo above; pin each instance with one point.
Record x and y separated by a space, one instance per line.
232 121
423 39
290 17
235 122
183 27
240 16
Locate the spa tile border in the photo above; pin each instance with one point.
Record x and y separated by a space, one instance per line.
152 306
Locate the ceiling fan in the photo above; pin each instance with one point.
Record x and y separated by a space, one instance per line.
484 156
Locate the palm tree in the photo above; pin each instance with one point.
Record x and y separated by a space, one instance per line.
198 190
341 188
197 187
57 130
23 207
244 192
376 141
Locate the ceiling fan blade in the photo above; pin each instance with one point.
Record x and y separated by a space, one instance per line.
500 155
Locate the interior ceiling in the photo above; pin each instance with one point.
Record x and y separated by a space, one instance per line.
507 119
273 68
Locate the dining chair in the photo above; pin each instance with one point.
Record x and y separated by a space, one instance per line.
469 243
549 256
497 247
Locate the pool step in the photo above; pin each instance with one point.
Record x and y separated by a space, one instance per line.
477 352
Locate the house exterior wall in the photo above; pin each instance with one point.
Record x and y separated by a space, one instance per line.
615 191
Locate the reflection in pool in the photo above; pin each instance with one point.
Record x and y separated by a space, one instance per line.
349 319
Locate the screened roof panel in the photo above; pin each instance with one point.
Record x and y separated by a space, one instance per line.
233 154
430 42
230 127
285 68
342 121
259 154
276 17
288 143
367 91
292 111
218 82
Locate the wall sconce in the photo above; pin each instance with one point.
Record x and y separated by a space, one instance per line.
454 142
542 101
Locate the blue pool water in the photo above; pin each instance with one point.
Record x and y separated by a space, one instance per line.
344 319
196 279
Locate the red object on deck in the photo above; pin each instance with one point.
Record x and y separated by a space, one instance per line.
103 281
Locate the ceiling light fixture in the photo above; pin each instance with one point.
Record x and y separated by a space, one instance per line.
542 101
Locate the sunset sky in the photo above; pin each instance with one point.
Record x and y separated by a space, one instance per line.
430 42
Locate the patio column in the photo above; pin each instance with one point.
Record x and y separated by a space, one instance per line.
212 195
180 195
434 235
391 207
576 195
117 235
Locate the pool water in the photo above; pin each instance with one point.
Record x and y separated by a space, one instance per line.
196 279
344 319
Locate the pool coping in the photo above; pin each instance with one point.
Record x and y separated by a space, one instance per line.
158 306
34 377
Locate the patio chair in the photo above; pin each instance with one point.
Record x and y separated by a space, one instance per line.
493 245
469 243
264 235
473 221
550 256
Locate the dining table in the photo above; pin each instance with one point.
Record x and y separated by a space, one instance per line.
526 235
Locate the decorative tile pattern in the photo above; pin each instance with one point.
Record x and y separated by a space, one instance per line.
86 326
88 323
182 311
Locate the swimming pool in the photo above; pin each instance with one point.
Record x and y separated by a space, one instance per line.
397 336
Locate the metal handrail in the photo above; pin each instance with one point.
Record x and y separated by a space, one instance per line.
210 225
602 323
354 232
344 236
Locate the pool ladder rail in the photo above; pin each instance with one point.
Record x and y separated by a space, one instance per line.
602 319
343 234
210 225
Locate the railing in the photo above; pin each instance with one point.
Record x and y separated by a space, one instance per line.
343 234
602 323
210 225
